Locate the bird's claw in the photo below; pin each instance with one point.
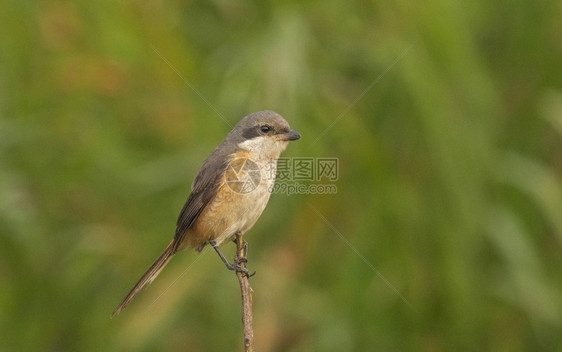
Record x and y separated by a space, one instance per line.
240 269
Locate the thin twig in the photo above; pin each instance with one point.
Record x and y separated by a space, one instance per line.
246 291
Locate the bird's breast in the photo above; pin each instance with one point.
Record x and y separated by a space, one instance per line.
240 200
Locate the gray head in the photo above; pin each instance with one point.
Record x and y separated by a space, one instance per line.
263 124
264 133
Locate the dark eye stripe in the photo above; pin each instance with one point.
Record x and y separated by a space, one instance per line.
256 131
251 133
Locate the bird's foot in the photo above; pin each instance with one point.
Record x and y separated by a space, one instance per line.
239 268
237 265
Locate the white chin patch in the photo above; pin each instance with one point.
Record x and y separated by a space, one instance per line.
268 146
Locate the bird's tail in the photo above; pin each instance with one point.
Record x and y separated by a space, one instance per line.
148 277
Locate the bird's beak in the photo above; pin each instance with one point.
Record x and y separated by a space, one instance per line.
292 135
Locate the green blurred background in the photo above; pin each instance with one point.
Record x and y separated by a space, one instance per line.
450 175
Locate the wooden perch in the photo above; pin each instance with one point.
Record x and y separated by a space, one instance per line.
246 291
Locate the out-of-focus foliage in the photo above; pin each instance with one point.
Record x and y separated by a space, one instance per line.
450 173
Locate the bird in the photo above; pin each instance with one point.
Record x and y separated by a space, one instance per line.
229 192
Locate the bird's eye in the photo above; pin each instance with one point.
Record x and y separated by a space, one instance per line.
265 128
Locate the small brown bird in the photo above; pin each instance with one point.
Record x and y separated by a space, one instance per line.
230 191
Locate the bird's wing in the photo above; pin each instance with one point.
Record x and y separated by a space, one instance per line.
204 189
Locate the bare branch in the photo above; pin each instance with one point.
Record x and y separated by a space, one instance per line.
246 291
